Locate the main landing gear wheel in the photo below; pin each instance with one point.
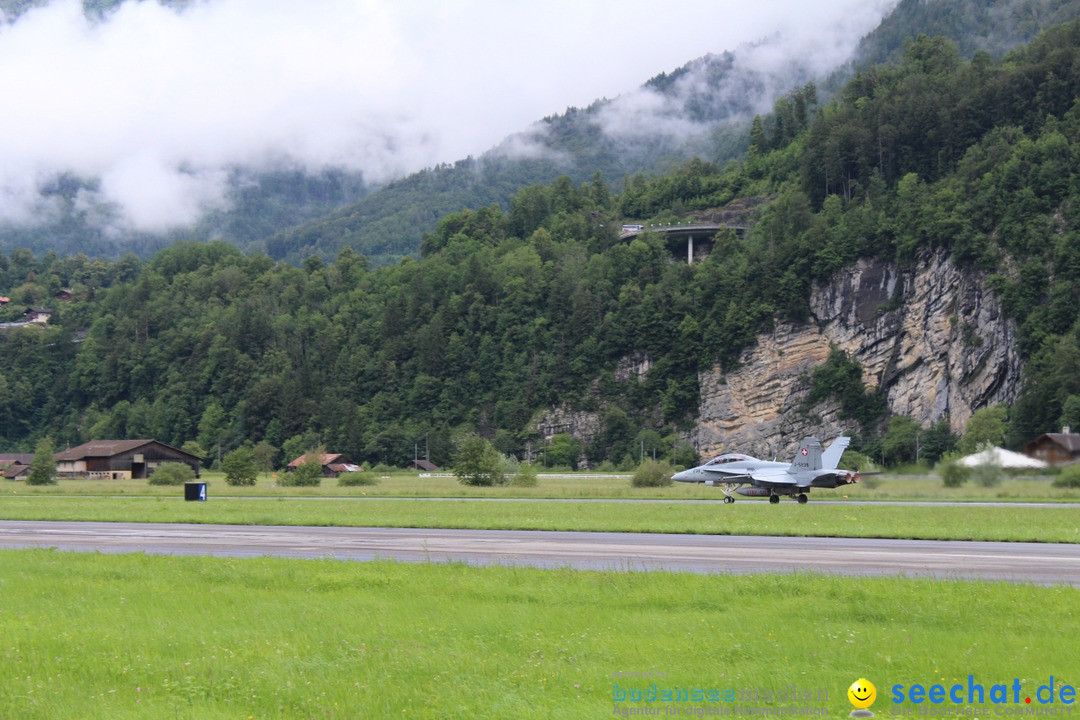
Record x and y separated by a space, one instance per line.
774 499
729 499
802 498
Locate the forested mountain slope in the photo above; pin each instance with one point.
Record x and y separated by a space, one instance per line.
510 313
717 96
699 110
994 26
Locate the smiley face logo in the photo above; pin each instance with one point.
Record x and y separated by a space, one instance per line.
862 695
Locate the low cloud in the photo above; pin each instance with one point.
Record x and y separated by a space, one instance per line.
739 84
157 105
155 195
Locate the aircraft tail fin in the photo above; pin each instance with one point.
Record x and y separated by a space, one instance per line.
809 455
830 459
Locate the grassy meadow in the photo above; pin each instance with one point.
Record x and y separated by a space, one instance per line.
409 500
86 635
928 487
135 636
1021 524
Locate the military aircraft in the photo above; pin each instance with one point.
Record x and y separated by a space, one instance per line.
751 477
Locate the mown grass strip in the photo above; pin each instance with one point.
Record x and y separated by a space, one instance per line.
1030 488
134 636
1021 524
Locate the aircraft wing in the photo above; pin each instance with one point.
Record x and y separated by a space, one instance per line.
726 474
819 479
771 476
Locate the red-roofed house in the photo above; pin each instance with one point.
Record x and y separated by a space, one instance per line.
333 464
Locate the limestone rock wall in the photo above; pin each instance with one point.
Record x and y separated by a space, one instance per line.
933 338
581 424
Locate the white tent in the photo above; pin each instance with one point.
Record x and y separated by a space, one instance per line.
1001 458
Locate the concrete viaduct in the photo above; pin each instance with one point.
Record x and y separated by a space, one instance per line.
690 232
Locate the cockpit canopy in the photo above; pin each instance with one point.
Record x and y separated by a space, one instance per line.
729 458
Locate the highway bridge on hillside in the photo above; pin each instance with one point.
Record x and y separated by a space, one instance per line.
701 233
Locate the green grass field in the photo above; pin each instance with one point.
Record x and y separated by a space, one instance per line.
400 484
134 636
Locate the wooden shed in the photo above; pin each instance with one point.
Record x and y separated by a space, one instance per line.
15 466
1055 448
120 459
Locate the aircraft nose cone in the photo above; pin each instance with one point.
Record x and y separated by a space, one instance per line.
684 476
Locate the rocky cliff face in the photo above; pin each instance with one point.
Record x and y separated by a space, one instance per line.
581 424
933 338
585 424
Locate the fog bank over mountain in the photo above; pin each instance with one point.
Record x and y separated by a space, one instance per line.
142 119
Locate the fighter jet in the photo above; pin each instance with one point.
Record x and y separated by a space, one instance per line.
751 477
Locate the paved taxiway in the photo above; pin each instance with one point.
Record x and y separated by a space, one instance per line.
718 501
1024 562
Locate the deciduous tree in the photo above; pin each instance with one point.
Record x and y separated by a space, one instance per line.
240 467
477 462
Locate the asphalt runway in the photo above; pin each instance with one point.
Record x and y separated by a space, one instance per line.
1042 563
718 501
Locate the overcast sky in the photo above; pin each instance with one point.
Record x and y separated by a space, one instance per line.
157 103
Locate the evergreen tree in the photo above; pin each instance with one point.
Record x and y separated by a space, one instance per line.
43 466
